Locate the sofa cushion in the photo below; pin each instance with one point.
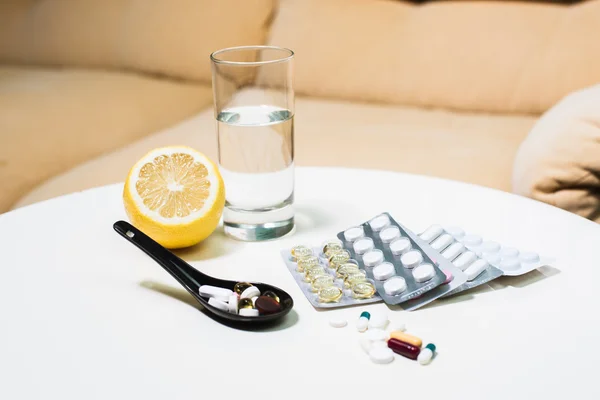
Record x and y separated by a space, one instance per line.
171 37
52 120
467 147
559 162
465 55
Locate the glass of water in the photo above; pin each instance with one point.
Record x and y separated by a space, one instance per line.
254 108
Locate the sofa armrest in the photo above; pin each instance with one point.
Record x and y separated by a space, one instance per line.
559 161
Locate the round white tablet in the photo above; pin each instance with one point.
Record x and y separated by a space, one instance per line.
248 312
400 246
423 273
373 258
529 257
379 222
354 233
363 245
431 233
384 271
508 252
221 305
378 320
510 264
472 240
394 286
389 234
490 247
381 355
455 231
249 293
411 259
377 335
338 322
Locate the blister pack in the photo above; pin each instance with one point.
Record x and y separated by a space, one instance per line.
328 277
481 260
402 270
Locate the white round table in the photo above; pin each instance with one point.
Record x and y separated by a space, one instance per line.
86 315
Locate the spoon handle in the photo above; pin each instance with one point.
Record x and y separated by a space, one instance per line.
179 269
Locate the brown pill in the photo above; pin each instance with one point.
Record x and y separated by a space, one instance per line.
267 305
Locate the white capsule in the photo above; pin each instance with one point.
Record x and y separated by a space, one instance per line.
373 258
389 234
425 356
476 269
508 252
379 320
529 257
442 242
363 245
232 304
411 259
510 264
377 335
394 286
379 222
472 241
453 251
455 231
354 233
362 324
214 291
221 305
431 233
248 312
384 271
249 293
400 246
464 260
423 273
381 355
338 322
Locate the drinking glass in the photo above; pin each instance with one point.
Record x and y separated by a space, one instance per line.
254 107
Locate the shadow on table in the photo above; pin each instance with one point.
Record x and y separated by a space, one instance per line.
184 297
499 284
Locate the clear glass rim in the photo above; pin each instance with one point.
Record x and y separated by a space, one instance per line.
214 56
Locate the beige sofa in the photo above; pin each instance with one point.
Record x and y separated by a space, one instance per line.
449 89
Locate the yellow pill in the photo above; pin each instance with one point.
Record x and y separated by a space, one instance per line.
300 251
332 247
406 338
241 286
339 258
312 273
245 303
321 282
363 290
347 269
303 263
330 294
353 279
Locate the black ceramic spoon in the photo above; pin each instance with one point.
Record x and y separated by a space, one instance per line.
191 279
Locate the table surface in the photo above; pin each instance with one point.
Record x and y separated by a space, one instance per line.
85 314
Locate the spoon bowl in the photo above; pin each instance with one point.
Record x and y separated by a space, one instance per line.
191 279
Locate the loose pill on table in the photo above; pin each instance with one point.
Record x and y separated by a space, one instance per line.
384 271
373 258
330 294
400 246
455 231
426 354
453 251
248 312
399 326
363 290
490 247
266 305
338 322
354 233
232 304
476 269
221 305
363 245
472 241
405 349
464 260
529 257
411 259
508 252
423 273
381 355
431 233
379 222
406 338
390 234
394 286
363 321
245 303
377 334
510 264
249 293
442 242
272 295
214 291
379 320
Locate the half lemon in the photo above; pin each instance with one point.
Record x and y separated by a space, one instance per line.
175 195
